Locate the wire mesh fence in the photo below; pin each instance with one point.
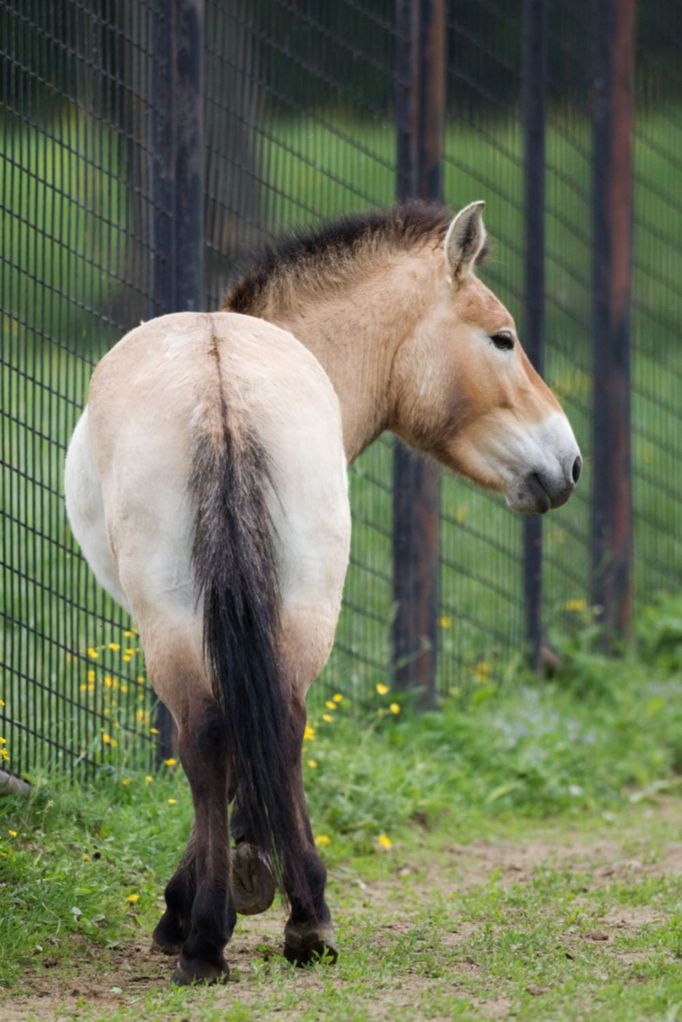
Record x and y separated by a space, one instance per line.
299 125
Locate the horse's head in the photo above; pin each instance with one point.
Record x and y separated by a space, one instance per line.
466 392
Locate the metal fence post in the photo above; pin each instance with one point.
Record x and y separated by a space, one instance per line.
420 117
534 49
177 229
612 127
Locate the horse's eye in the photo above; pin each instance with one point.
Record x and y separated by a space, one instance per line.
504 340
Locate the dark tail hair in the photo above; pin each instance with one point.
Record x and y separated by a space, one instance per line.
235 571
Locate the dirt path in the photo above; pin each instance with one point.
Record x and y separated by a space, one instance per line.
103 982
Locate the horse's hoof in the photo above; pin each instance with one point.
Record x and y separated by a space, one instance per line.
194 970
166 939
252 883
305 945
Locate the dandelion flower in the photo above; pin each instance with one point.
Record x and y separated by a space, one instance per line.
91 675
171 761
86 857
133 899
322 840
330 704
153 730
2 702
3 741
395 708
125 780
92 653
106 738
337 697
148 778
12 833
4 754
381 688
312 763
327 718
172 801
384 842
575 606
115 646
309 733
129 633
445 621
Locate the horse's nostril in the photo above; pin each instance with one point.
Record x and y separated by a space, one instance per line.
577 468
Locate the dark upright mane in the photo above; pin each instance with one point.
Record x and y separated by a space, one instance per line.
403 226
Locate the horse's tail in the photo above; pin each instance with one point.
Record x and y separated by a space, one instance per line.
234 565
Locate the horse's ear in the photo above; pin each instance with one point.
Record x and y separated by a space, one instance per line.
465 240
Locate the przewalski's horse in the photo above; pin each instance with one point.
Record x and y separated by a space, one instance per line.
206 484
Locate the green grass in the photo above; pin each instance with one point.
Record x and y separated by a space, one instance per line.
533 869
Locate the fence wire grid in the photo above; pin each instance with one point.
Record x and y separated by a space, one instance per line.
299 114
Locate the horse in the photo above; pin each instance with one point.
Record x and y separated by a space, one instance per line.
206 483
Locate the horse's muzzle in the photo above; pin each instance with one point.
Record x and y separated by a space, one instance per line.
540 492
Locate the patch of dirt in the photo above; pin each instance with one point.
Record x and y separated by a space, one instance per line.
121 977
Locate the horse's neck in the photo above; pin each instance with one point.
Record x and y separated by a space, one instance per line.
354 332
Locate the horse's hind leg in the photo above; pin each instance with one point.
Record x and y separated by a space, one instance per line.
198 918
308 933
201 744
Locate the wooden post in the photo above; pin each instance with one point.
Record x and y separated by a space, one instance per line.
612 126
177 228
533 114
420 117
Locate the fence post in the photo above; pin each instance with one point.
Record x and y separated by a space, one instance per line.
533 89
612 127
177 228
420 117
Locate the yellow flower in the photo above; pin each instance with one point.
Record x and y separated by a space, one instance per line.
106 738
91 675
108 681
2 702
125 780
140 679
395 708
114 645
129 633
309 733
171 761
4 754
381 688
148 778
132 651
86 857
92 652
337 697
327 718
142 716
445 621
312 763
575 606
126 659
12 833
482 670
133 899
330 705
3 741
384 842
153 730
172 801
322 840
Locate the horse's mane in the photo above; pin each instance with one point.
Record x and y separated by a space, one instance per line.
316 255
